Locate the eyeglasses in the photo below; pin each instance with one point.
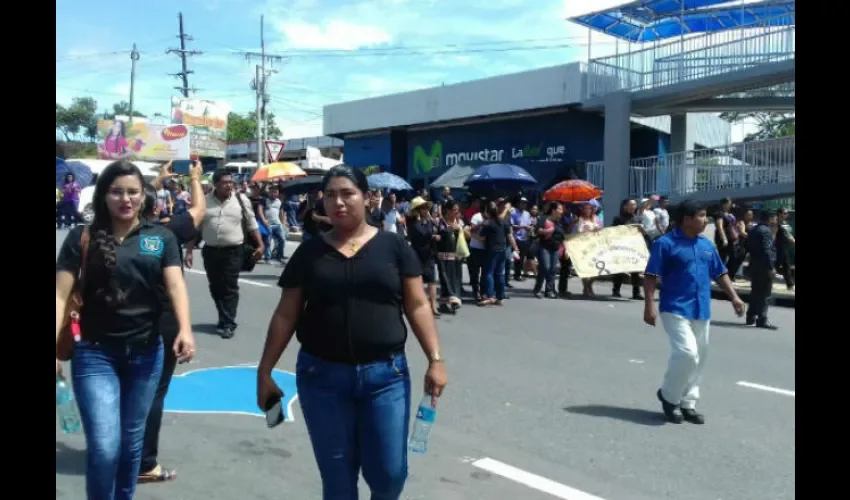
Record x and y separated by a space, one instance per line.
120 193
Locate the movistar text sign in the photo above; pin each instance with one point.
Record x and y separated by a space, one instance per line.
435 158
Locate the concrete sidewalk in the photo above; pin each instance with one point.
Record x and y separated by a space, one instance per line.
781 295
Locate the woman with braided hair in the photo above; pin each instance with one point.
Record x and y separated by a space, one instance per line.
132 268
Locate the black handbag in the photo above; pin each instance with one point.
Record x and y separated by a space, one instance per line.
249 246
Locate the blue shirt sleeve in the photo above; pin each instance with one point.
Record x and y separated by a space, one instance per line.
657 256
718 269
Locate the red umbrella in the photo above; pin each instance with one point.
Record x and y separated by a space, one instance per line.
572 191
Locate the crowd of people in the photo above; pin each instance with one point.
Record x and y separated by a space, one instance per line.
367 261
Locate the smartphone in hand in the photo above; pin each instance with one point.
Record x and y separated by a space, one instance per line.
181 167
274 412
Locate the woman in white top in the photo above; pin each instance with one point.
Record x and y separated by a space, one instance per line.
585 222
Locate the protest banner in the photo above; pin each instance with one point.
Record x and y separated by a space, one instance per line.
609 251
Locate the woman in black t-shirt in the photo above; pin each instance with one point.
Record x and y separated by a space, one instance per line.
498 237
185 228
131 265
345 296
550 233
424 237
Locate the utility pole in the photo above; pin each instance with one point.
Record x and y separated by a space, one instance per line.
134 56
184 74
260 84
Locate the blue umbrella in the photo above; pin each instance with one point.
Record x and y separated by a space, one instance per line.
82 173
501 174
386 180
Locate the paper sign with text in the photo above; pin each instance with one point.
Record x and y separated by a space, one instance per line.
609 251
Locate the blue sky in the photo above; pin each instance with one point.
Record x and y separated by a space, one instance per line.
337 50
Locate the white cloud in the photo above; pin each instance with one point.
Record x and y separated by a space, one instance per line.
334 35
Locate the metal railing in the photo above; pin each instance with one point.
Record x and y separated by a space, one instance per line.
595 173
736 166
690 58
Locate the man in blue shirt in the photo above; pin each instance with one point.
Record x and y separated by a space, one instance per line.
686 262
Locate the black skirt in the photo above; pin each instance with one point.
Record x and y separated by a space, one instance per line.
450 278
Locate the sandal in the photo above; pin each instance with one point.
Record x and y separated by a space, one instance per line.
158 474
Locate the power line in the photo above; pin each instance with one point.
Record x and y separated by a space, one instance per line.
183 54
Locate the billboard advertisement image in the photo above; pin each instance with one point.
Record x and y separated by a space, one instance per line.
208 124
117 139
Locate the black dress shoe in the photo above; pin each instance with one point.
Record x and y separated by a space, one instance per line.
671 411
692 416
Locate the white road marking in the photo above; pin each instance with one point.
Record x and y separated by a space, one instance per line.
767 388
534 481
241 280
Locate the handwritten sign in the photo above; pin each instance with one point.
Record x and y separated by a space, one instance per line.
609 251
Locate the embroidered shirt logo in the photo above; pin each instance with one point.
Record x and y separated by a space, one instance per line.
152 245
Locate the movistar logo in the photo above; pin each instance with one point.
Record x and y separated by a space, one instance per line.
425 162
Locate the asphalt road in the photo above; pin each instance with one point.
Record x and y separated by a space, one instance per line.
547 399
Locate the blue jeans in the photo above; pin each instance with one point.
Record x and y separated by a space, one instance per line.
547 263
114 385
277 235
495 274
358 416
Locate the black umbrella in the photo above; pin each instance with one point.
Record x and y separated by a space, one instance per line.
302 185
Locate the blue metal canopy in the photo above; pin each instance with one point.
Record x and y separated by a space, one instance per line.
652 20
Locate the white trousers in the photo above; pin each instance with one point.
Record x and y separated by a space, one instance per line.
688 352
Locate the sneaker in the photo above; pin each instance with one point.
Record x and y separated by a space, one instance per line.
227 333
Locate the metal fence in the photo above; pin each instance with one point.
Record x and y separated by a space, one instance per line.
690 58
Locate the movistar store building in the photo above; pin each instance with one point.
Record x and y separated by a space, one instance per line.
531 119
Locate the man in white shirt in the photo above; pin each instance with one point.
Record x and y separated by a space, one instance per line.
662 217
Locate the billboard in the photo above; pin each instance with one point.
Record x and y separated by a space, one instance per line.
207 121
117 139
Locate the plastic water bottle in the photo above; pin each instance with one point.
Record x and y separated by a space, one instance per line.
66 408
425 417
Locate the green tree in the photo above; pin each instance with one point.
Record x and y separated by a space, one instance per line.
770 124
243 128
121 109
77 120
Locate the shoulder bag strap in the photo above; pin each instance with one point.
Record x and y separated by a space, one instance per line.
244 211
84 253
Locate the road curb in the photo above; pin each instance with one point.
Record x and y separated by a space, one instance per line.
778 299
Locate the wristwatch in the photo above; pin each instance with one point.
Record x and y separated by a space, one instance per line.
435 357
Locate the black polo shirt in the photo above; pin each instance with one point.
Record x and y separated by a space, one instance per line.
353 306
141 258
183 227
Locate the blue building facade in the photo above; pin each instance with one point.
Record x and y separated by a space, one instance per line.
551 147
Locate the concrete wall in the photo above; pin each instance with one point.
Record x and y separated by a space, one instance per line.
536 89
549 88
